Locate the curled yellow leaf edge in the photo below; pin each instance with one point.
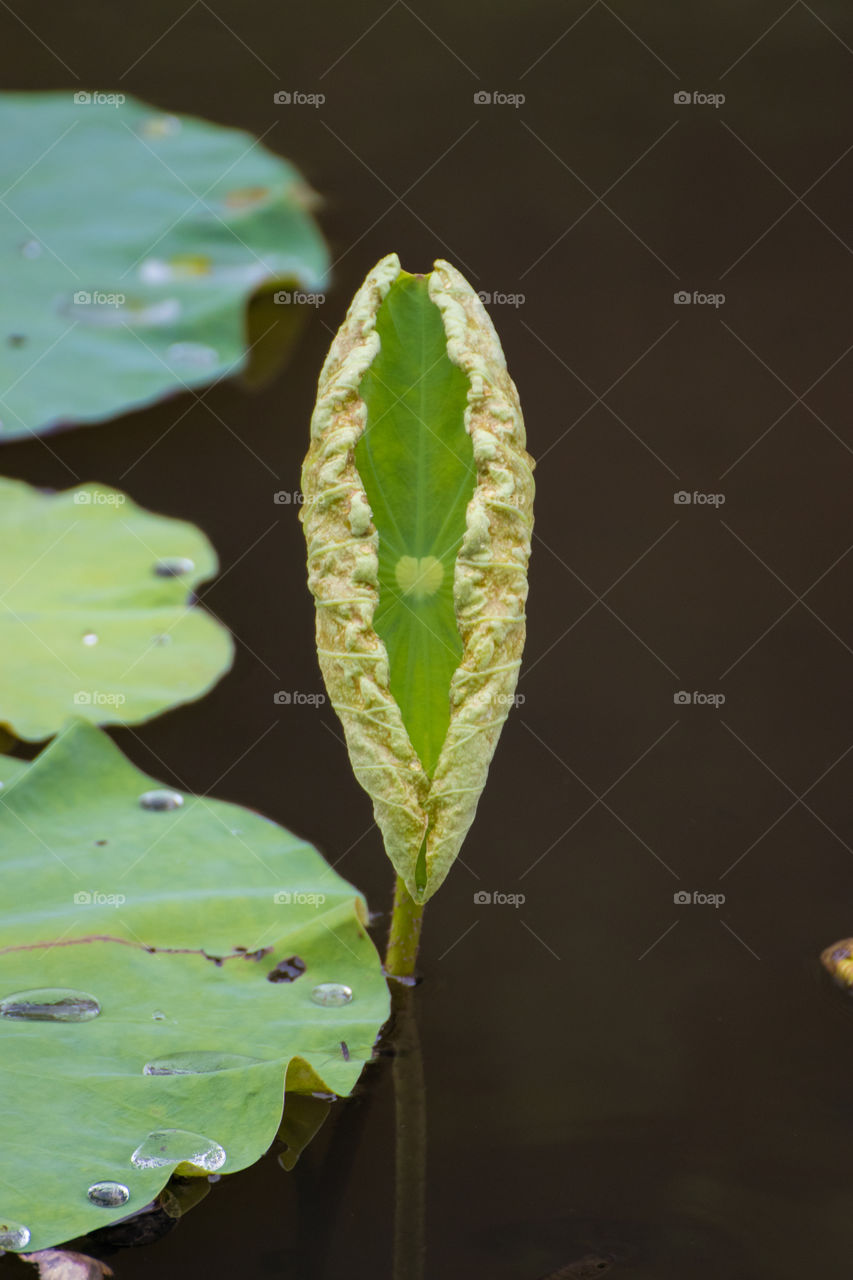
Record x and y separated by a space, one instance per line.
489 587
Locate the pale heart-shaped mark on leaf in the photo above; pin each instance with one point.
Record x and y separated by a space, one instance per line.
419 578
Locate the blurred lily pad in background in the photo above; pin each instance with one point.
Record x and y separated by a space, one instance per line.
95 613
131 243
167 963
10 769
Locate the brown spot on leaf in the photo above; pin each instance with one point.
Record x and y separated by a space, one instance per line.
287 970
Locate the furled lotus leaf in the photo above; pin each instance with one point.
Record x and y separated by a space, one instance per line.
393 442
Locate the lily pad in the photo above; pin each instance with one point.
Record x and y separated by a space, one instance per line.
170 919
94 613
10 769
131 241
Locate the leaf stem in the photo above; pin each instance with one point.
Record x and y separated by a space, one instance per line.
404 935
410 1141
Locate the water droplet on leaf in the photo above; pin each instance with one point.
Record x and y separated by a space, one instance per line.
196 1062
90 638
193 355
176 1146
331 994
119 310
160 801
50 1004
173 566
158 1015
30 249
108 1195
13 1235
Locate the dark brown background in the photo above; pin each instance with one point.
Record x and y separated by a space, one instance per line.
607 1070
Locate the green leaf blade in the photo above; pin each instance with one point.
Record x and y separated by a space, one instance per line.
88 626
416 462
199 880
173 222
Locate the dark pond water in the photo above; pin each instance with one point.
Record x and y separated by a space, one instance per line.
609 1071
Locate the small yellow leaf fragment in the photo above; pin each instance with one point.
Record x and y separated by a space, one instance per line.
246 197
419 579
838 961
186 265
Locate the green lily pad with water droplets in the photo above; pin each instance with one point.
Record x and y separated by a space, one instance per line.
131 242
94 613
133 907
